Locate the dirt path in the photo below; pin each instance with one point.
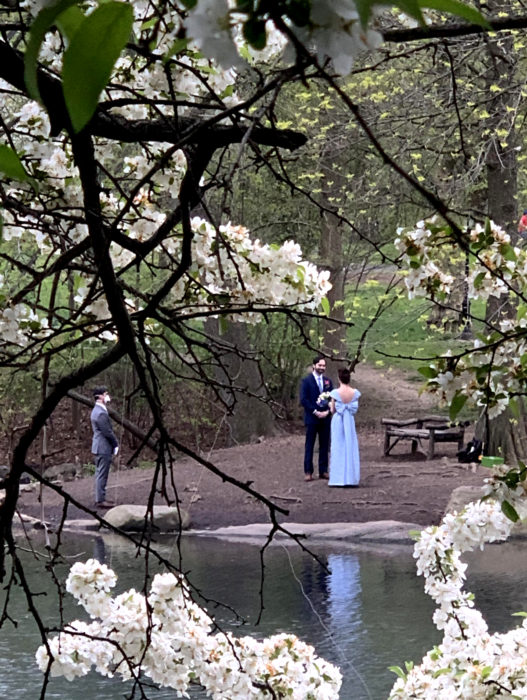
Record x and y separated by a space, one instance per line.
402 487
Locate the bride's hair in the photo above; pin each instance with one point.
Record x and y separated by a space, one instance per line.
344 375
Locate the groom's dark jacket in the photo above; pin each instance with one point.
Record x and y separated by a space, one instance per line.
309 393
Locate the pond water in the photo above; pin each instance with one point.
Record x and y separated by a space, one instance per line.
367 613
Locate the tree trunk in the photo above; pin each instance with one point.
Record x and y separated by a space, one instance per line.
331 253
252 417
505 435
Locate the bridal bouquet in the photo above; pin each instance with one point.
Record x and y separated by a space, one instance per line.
323 401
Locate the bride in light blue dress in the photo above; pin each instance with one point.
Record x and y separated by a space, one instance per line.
344 464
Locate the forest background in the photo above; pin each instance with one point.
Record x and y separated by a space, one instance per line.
438 126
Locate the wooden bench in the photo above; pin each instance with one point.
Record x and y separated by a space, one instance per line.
432 429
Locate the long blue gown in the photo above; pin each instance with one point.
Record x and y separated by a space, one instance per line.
344 464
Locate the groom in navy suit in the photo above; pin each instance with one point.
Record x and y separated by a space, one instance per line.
317 418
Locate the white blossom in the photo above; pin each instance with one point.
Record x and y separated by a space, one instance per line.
469 663
168 637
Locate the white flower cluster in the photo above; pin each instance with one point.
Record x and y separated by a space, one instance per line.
489 374
231 268
19 323
150 78
243 272
168 638
333 32
419 247
469 663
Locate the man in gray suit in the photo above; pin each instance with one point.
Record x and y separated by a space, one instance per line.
104 445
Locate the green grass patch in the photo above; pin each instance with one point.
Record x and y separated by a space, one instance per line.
408 334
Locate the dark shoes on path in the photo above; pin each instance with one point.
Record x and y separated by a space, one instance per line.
105 504
309 477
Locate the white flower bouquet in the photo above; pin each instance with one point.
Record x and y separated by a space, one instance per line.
323 401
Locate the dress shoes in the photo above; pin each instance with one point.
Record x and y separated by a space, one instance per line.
105 504
308 477
324 475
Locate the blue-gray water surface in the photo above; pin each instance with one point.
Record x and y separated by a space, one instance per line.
367 613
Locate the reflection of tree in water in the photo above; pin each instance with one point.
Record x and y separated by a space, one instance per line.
314 581
99 550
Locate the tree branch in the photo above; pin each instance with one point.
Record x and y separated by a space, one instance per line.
445 31
184 132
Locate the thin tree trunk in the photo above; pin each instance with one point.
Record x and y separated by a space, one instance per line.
251 417
331 253
505 435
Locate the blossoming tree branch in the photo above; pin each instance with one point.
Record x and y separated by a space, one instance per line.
182 649
491 373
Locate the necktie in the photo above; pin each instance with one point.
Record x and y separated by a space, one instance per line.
320 385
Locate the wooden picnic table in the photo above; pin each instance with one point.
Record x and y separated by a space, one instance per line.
429 429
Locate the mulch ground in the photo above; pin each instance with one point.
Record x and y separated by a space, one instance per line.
402 487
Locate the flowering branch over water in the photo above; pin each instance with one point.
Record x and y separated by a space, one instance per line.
469 662
168 638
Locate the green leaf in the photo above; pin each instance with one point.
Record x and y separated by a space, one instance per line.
435 653
508 252
221 299
364 8
177 47
478 280
43 22
509 511
453 7
428 372
189 4
521 311
519 614
69 21
457 404
324 303
11 165
254 32
514 408
412 8
228 92
441 672
398 671
91 56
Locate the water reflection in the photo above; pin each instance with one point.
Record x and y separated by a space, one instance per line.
343 590
99 550
355 612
